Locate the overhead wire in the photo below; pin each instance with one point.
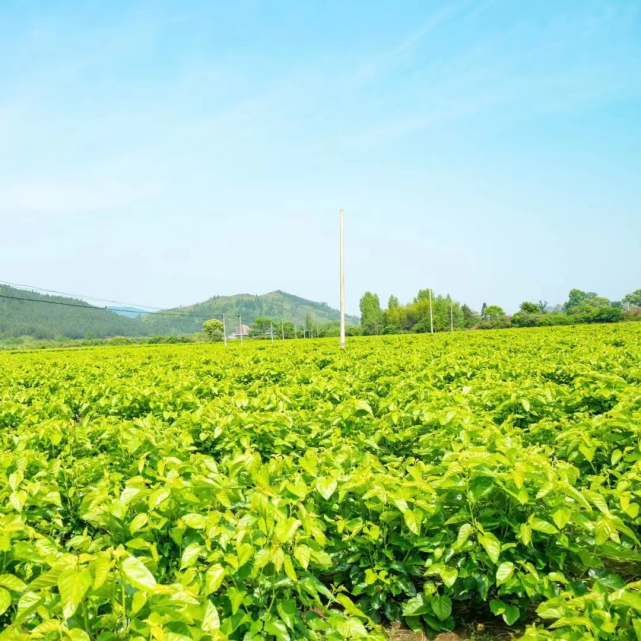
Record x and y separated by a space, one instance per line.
88 306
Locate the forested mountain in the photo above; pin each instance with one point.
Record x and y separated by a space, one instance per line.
276 305
26 313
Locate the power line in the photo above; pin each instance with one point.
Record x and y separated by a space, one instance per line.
88 306
80 296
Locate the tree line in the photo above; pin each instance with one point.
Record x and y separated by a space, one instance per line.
429 310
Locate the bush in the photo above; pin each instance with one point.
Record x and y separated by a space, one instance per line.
556 318
213 329
632 314
525 319
602 315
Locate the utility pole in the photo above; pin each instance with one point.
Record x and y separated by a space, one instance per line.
342 252
272 326
240 328
452 315
282 328
431 315
224 331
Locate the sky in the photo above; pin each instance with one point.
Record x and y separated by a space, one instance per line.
161 152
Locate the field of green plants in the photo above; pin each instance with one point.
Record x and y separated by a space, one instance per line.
291 491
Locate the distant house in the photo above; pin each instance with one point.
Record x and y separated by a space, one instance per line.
241 330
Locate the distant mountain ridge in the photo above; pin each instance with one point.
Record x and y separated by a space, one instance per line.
28 313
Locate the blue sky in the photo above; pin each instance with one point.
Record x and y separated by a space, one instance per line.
162 152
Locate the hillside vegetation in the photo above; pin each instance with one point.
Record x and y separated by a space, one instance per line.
44 317
276 305
27 313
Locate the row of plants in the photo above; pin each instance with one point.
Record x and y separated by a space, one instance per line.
294 491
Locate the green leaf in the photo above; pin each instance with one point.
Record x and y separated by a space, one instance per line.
211 620
525 533
492 546
195 521
26 606
416 606
158 496
138 522
412 521
497 607
190 555
303 554
608 579
511 614
236 598
463 535
449 575
287 611
626 597
138 602
326 486
542 526
351 628
561 517
73 585
286 530
277 628
442 606
12 582
214 578
289 569
5 600
504 573
137 574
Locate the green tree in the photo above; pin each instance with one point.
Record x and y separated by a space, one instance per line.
470 317
213 330
309 325
543 306
262 325
529 308
495 313
371 314
634 298
576 297
393 303
423 294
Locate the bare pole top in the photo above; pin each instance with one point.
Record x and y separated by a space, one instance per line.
342 261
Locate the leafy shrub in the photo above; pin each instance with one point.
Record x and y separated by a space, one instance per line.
523 319
298 491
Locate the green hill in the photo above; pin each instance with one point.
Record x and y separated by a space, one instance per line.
27 313
277 305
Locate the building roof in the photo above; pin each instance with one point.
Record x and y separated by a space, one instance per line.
244 329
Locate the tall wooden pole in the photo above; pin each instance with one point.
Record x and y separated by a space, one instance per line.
240 327
431 315
272 326
282 328
342 250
